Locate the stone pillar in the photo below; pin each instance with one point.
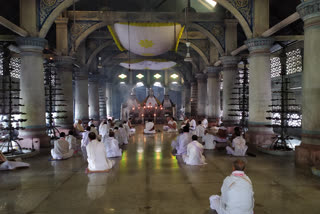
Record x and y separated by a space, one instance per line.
259 90
65 67
194 98
308 153
202 94
93 97
187 103
109 99
230 74
213 91
32 89
81 96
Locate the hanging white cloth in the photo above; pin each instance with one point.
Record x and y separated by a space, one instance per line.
194 154
236 195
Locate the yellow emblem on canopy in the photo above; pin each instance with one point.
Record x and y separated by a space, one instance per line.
146 43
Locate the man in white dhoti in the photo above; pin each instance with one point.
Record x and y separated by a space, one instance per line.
123 138
132 129
239 147
149 128
200 130
208 140
97 157
171 126
192 126
112 146
61 148
183 141
194 154
205 123
72 141
236 193
85 142
11 165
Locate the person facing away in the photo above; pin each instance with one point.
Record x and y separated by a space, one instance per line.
112 146
84 142
183 141
61 148
205 123
192 126
194 154
127 128
97 157
239 147
90 122
208 140
149 127
200 130
123 138
72 141
93 129
104 130
236 193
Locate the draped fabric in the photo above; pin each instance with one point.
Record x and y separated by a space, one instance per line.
146 39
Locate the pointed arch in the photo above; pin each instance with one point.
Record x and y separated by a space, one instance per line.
97 50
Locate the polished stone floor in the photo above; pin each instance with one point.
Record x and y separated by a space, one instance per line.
149 180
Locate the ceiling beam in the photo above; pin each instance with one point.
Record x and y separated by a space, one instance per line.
13 27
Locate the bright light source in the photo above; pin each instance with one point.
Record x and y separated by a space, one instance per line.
175 83
174 76
140 84
140 76
211 2
158 84
122 83
157 76
122 76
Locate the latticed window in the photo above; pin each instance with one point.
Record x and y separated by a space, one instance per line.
294 61
275 67
1 63
294 120
15 65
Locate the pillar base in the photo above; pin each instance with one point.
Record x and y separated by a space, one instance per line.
260 135
40 133
307 155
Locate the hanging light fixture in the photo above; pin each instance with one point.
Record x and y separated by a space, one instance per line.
188 56
99 62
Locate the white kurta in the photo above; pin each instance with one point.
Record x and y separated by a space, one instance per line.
104 131
123 138
182 143
239 145
61 149
168 129
127 128
204 123
200 131
209 142
84 143
236 195
97 157
194 154
94 130
112 147
193 126
149 128
72 142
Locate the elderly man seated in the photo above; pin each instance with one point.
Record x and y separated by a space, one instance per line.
236 193
61 148
149 127
171 125
97 156
239 147
194 154
11 165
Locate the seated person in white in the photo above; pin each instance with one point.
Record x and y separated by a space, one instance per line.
208 140
85 142
90 122
205 123
239 147
94 130
117 135
97 157
132 129
61 148
236 193
112 146
10 165
149 127
171 125
185 122
174 143
123 138
78 127
104 130
200 130
192 126
194 154
126 127
72 141
183 141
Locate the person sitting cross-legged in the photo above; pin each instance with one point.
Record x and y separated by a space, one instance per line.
112 146
72 140
239 147
194 154
236 193
183 141
149 127
61 148
208 140
97 157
